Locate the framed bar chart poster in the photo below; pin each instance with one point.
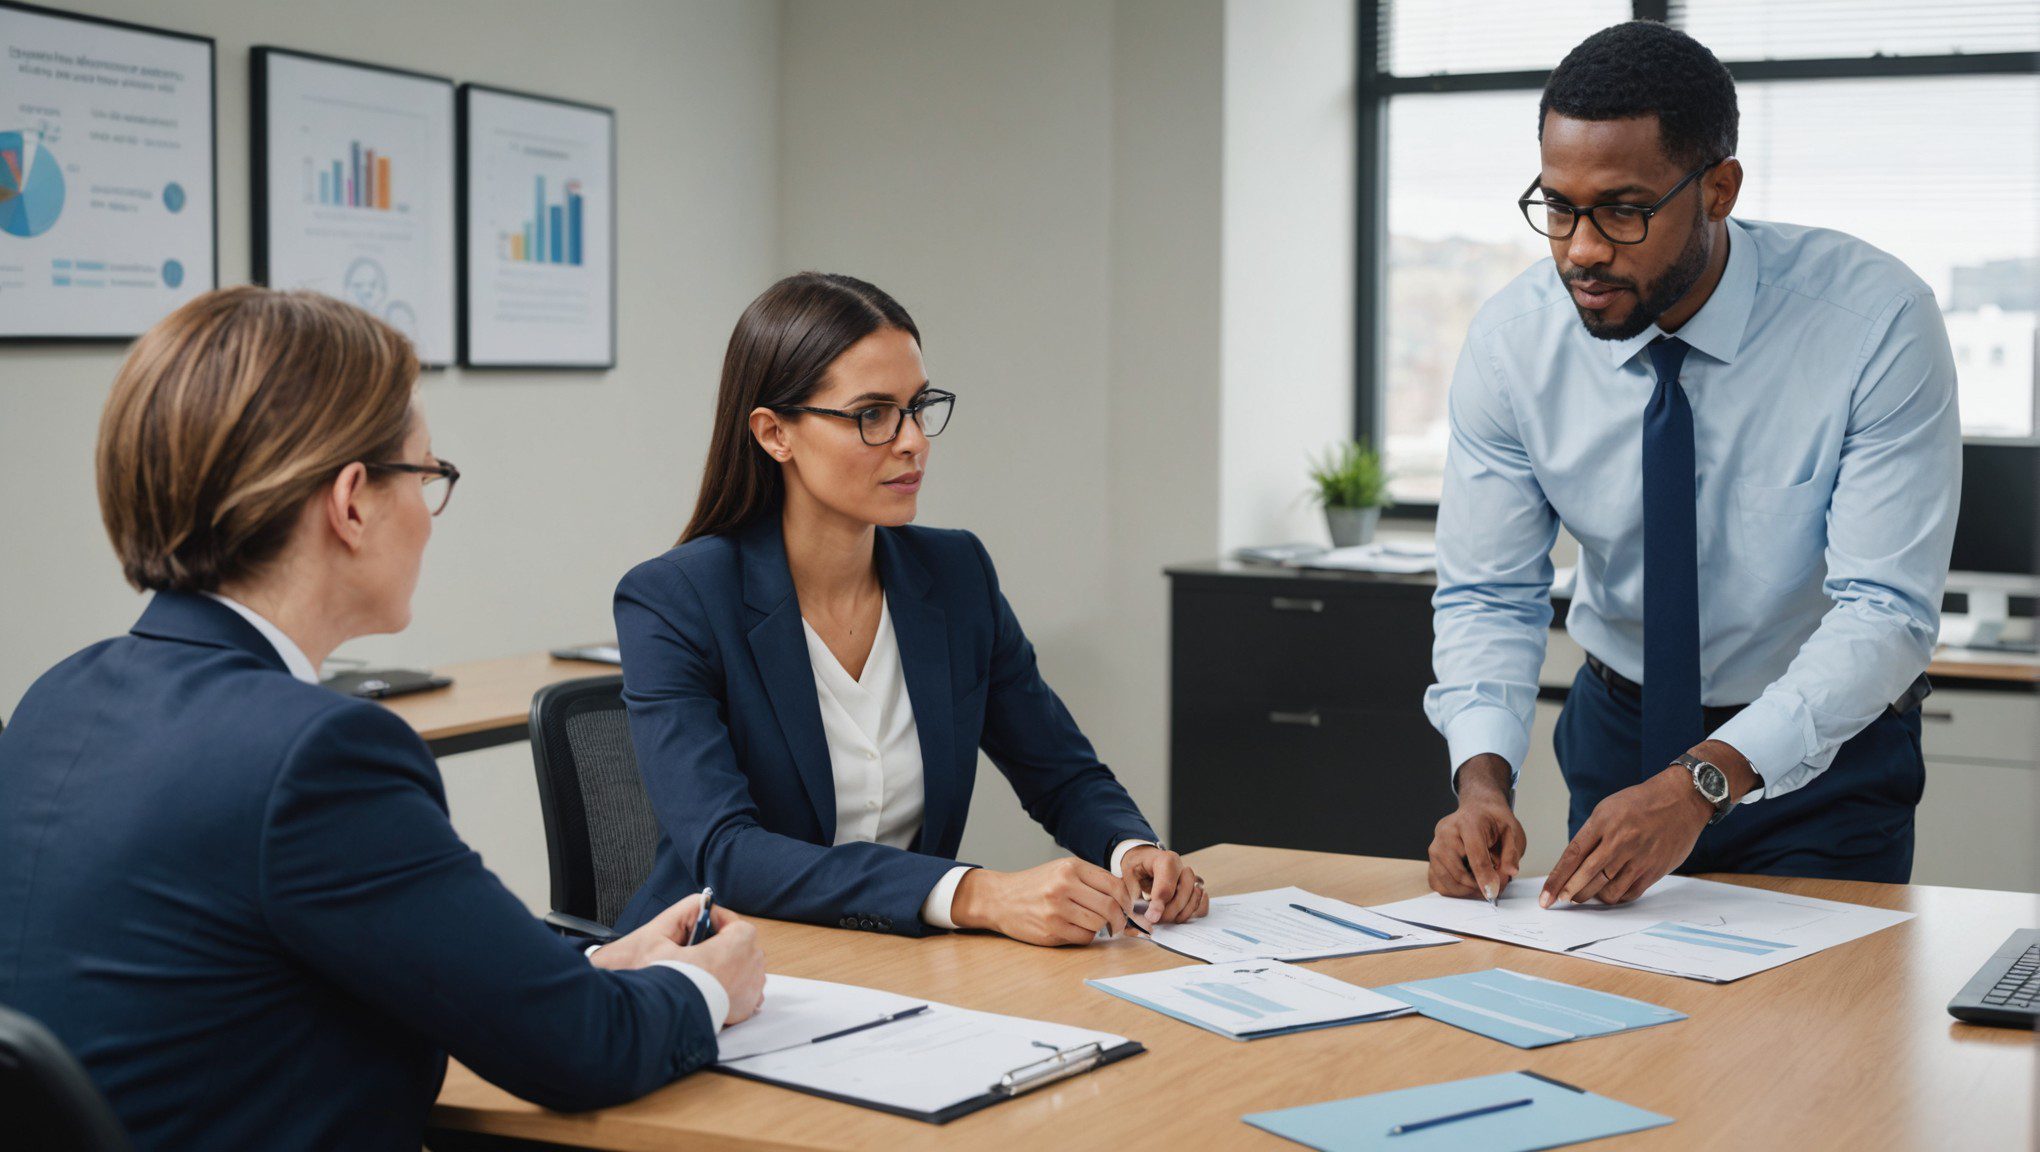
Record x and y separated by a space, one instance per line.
354 189
107 161
538 231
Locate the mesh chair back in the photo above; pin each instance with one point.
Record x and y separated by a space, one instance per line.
47 1103
600 834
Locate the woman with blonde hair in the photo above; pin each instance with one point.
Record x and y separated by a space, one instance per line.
234 894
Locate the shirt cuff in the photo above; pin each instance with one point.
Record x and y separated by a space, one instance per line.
936 908
1120 850
1484 730
1775 734
711 989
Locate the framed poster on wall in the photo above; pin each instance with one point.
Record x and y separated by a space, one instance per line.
538 231
107 175
353 174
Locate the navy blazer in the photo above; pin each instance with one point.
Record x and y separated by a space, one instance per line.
728 729
237 898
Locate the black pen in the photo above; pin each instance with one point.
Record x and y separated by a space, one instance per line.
704 924
902 1014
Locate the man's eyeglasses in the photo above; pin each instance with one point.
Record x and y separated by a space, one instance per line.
880 424
428 474
1619 223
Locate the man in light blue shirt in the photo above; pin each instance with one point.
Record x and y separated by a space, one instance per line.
1751 430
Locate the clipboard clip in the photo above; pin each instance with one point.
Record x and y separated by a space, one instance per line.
1065 1063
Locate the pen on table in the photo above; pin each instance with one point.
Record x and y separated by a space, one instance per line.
886 1019
1377 933
704 924
1433 1122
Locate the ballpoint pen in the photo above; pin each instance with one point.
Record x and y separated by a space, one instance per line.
1377 933
704 924
1433 1122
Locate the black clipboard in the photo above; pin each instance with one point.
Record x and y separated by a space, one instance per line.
963 1107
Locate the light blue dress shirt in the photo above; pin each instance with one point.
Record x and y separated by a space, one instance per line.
1829 454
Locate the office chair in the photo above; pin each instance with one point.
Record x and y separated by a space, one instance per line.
50 1105
600 833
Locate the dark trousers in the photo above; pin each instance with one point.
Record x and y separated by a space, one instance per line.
1853 822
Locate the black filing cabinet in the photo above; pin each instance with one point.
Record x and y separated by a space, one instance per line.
1296 711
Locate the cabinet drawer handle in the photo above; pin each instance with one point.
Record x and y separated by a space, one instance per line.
1302 719
1939 715
1296 604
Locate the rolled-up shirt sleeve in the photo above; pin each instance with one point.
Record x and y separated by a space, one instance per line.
1492 610
1890 528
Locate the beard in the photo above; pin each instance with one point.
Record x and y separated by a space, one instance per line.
1654 299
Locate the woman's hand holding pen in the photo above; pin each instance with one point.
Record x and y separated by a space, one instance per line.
1065 901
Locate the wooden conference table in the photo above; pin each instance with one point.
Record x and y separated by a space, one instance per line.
1851 1048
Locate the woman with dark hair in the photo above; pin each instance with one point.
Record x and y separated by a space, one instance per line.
234 894
810 678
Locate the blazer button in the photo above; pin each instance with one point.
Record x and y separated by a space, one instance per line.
885 925
847 922
867 924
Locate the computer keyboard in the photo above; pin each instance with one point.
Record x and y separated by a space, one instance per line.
2005 989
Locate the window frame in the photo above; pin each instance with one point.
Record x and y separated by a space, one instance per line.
1374 88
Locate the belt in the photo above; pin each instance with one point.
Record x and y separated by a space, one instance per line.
1631 691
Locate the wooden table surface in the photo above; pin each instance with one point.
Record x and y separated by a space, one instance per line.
1852 1048
489 702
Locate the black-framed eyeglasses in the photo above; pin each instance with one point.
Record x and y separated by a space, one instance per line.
428 475
1618 223
880 424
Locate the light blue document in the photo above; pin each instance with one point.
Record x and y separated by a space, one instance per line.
1527 1011
1558 1114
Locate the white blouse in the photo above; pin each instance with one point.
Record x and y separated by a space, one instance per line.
875 755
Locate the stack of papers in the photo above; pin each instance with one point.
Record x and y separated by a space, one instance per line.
1699 929
1267 926
1408 558
1556 1114
1254 999
1526 1011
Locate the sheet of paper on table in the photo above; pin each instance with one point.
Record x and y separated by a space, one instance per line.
1699 929
1263 926
794 1011
1253 998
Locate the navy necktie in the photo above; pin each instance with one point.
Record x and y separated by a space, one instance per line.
1672 718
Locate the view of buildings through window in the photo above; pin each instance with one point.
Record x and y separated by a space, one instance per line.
1941 171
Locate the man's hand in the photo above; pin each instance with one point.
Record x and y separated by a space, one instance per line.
1632 841
732 955
1637 836
1174 892
1478 849
1061 902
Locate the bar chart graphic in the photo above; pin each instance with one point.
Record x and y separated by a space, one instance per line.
552 235
360 179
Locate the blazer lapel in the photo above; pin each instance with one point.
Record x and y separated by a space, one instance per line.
922 632
780 649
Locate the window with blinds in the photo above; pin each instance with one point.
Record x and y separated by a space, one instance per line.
1913 126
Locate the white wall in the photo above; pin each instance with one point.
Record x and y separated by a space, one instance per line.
1289 239
1037 184
569 478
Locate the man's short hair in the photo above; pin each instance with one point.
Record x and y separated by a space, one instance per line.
1643 68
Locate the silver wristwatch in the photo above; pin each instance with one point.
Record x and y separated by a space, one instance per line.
1711 782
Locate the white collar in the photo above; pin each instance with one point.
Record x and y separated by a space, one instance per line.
294 657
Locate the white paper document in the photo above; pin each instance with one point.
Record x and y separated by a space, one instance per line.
1265 926
1700 929
1389 557
795 1011
1253 998
924 1063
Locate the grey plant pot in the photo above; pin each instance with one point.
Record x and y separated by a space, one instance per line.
1352 527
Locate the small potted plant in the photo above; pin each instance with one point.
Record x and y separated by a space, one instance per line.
1350 483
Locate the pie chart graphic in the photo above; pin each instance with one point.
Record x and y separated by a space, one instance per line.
31 185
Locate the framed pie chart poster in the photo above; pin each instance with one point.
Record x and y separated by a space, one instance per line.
106 175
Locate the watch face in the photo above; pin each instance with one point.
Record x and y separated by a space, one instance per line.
1713 784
